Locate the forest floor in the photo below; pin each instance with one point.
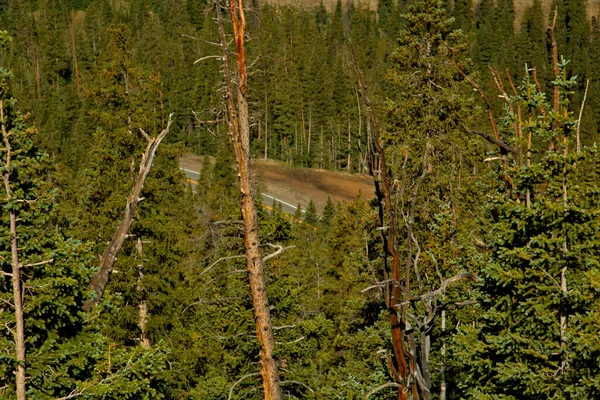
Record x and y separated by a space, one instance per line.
300 185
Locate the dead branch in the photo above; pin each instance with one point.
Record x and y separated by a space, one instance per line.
109 256
38 263
298 383
206 58
393 283
224 222
385 385
587 85
280 249
442 288
491 139
218 261
483 96
239 381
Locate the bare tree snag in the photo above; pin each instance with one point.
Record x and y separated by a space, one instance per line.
378 170
109 256
19 332
239 126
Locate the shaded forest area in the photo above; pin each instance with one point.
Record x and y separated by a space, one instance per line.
473 274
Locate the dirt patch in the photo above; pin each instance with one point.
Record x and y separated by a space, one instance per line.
300 185
193 162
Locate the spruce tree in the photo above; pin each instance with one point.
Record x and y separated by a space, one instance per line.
433 161
539 277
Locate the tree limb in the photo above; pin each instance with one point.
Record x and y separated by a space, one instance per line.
442 288
385 385
491 139
218 261
239 381
280 249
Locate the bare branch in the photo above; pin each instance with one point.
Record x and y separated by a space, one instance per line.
218 261
145 135
276 328
240 380
384 386
394 283
207 57
587 85
297 383
491 139
442 288
280 249
38 263
301 338
226 222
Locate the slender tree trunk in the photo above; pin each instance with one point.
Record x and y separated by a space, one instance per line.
75 64
18 301
19 332
266 125
303 136
160 94
577 138
38 76
443 365
240 131
259 126
349 166
563 273
321 163
309 131
142 306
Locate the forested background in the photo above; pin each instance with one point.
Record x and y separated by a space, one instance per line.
523 222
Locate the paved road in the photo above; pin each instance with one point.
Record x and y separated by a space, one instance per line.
267 199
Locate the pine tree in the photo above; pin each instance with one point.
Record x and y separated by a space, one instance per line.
310 216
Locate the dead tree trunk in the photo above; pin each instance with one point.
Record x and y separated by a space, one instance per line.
109 256
19 332
240 132
142 306
378 169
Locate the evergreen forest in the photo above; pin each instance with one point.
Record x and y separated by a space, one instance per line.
471 272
